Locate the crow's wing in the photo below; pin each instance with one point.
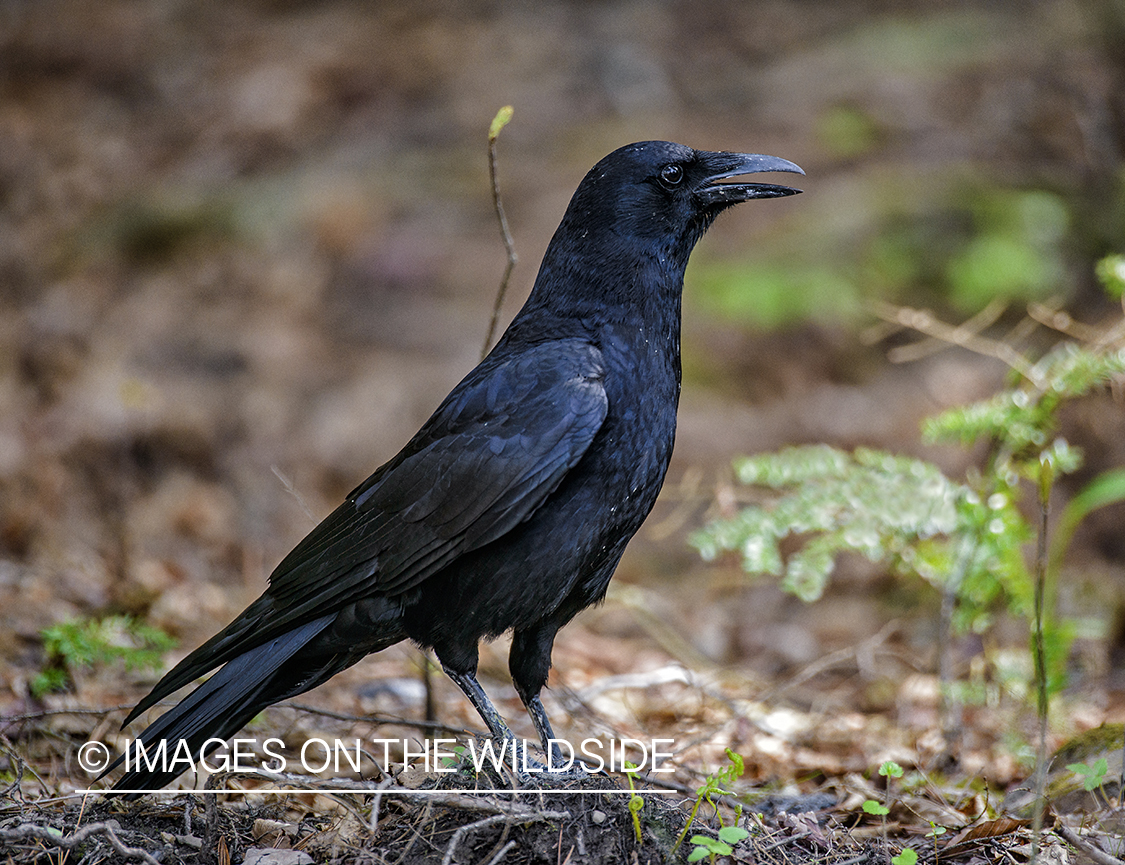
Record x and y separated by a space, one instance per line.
493 451
483 463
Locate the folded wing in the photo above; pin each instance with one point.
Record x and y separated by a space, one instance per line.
490 455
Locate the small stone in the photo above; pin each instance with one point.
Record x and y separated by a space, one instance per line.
598 817
272 856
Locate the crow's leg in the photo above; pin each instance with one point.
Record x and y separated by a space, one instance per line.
524 765
529 662
469 685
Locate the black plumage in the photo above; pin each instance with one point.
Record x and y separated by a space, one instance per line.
511 507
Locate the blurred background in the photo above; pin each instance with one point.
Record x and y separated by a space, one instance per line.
247 247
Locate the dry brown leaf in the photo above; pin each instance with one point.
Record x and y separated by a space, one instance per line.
982 831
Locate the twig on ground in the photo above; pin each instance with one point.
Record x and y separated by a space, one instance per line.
16 791
47 713
428 726
210 820
471 802
417 834
461 832
1073 838
501 853
53 838
478 800
373 821
15 758
505 815
866 649
637 601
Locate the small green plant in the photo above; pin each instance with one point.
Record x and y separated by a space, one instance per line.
968 539
1092 775
713 787
458 758
868 502
85 643
906 857
888 769
636 801
705 845
935 832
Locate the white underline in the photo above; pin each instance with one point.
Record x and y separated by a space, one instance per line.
372 792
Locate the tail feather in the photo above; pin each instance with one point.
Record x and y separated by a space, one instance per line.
224 704
221 648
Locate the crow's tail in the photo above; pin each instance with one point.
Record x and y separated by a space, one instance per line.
224 704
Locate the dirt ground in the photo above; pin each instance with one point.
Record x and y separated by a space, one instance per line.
245 249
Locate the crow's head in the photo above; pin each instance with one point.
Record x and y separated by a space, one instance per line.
624 242
665 194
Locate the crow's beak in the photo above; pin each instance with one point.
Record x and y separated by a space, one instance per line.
712 193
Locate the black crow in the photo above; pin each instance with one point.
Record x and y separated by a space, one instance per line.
511 506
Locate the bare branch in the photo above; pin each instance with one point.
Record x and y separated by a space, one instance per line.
375 720
53 838
523 815
1099 856
966 335
499 122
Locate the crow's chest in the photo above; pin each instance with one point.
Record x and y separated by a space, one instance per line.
633 448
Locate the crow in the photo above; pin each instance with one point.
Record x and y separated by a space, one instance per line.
512 505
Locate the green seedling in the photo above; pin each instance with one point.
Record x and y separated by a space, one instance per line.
713 787
705 845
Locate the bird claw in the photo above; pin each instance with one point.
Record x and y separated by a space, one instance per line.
558 768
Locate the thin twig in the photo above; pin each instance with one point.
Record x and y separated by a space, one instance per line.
951 709
1056 319
498 123
428 726
832 659
19 763
210 821
77 823
1046 476
688 493
373 822
501 853
1076 840
53 838
48 713
447 859
964 335
417 834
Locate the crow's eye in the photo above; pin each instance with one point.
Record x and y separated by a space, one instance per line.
671 175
